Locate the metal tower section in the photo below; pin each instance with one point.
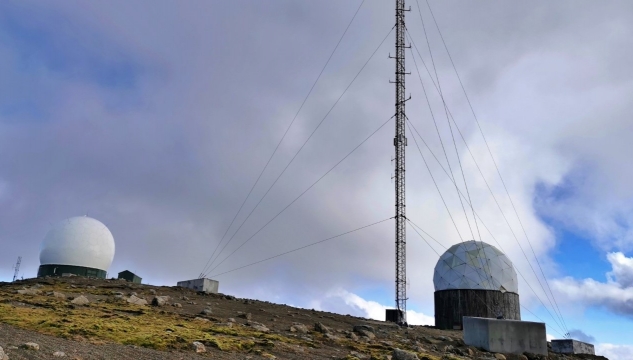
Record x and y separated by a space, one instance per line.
17 268
400 141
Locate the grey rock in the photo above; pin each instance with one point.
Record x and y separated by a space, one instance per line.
207 311
246 316
198 347
176 305
160 300
257 326
359 328
28 292
300 328
152 291
59 295
59 354
358 355
403 355
30 346
3 356
80 300
319 327
368 334
136 300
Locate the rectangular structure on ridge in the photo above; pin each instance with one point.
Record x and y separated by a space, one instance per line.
505 336
205 285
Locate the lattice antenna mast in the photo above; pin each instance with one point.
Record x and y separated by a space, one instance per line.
400 141
17 268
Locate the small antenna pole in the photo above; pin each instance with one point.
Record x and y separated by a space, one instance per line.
17 268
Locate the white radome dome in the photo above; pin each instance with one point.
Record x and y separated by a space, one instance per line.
475 265
78 241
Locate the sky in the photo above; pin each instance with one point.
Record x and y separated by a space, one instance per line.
157 119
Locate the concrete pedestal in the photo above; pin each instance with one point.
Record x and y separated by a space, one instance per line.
206 285
505 336
569 346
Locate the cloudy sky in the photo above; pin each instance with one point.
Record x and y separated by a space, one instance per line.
157 118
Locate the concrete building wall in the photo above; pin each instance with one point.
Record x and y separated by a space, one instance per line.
58 270
569 346
505 336
206 285
452 305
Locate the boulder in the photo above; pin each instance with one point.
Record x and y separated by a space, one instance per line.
198 347
176 305
358 355
160 300
28 292
298 327
500 357
246 316
3 356
368 334
136 300
59 354
207 311
59 295
359 328
403 355
319 327
30 346
80 300
257 326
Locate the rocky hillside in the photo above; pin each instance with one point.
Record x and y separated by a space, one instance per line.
77 318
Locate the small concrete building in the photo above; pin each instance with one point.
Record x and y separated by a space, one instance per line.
570 346
205 285
130 276
505 336
474 279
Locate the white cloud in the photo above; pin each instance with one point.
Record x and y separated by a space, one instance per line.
622 272
581 336
616 293
375 310
615 352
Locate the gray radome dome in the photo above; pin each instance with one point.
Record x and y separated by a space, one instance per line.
475 265
78 241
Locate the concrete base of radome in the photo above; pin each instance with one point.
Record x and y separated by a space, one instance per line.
505 336
206 285
569 346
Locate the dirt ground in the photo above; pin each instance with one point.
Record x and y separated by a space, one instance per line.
109 327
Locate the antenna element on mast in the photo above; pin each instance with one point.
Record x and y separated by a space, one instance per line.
17 268
399 315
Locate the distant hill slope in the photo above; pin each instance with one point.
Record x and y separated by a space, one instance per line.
113 319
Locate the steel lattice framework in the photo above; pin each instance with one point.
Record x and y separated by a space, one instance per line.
400 141
17 268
